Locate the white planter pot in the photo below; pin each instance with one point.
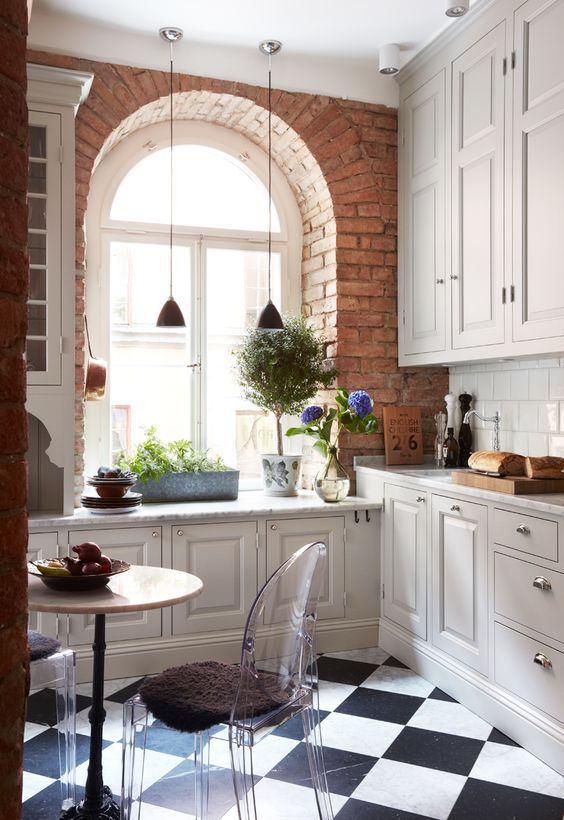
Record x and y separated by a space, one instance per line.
280 474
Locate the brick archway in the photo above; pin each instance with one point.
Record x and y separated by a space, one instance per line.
339 157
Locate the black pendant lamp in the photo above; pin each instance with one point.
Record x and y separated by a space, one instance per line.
171 315
270 318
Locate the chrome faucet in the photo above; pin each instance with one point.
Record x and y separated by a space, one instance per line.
496 418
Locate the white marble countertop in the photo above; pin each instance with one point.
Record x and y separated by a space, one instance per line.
249 504
437 479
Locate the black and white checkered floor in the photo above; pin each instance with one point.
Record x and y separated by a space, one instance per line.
396 748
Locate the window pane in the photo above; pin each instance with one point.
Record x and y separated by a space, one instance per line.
149 370
211 189
236 430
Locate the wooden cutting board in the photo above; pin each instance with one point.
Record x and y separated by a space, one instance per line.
513 485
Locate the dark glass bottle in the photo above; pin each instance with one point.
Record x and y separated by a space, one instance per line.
465 433
450 449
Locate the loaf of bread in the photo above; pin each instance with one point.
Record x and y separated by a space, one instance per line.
493 461
545 467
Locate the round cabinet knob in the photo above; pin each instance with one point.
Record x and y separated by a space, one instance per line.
274 526
455 508
453 276
523 529
543 583
155 534
542 660
440 281
420 498
180 532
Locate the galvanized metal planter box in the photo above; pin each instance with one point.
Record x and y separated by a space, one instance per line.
216 486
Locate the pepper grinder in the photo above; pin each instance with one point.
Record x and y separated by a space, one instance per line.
465 434
450 445
440 422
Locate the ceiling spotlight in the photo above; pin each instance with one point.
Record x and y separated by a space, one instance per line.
389 58
456 9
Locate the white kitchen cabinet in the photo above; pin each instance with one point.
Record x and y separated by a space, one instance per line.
224 556
43 545
500 228
285 536
405 558
136 545
459 549
538 171
477 174
422 218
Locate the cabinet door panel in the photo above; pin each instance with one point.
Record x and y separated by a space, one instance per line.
284 537
136 545
478 192
538 150
423 219
224 557
459 567
43 545
405 559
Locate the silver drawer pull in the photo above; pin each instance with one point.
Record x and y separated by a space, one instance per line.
420 498
274 526
155 534
180 532
543 583
523 529
542 660
455 508
440 281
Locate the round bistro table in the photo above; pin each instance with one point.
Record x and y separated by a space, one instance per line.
140 588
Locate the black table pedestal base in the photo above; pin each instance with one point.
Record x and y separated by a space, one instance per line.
108 810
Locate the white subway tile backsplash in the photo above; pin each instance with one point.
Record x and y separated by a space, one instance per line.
548 421
556 378
519 384
528 394
528 416
538 384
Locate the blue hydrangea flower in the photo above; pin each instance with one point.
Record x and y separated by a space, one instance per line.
360 402
311 414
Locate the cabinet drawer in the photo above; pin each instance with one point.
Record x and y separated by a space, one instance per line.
516 597
537 536
516 670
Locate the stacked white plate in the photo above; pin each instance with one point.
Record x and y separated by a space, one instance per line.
108 506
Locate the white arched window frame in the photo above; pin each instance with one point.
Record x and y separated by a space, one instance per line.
197 241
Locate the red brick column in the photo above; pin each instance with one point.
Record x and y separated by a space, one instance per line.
13 420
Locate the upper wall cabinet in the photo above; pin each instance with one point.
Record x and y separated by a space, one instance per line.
423 183
538 171
491 235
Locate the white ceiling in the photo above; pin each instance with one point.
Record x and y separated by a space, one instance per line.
329 46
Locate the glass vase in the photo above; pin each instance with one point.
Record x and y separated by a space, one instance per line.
332 482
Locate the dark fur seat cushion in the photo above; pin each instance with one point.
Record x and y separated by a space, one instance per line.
197 696
41 646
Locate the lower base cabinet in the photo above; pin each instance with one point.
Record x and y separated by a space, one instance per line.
42 545
459 548
136 545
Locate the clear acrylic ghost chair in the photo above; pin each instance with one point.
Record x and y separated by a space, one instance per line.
51 667
275 680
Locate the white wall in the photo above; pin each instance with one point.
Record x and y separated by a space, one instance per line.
529 394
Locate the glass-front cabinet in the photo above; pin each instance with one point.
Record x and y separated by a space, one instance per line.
44 249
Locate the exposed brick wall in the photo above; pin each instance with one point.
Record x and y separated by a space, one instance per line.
13 424
340 160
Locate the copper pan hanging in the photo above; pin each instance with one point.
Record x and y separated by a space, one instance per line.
96 373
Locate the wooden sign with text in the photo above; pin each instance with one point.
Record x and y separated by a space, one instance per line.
403 440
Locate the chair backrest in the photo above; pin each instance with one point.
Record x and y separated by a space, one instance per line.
278 653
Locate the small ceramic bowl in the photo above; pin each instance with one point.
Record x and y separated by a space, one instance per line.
112 490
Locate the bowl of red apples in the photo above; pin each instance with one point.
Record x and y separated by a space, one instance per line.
111 482
89 569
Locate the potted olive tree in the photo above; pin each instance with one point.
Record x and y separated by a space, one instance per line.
281 371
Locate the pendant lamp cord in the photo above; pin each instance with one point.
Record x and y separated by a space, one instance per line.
269 171
171 169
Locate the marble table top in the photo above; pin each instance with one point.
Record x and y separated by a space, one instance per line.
139 588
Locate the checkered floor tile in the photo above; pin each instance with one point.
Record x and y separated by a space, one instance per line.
396 748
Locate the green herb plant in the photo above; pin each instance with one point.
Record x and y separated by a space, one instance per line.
281 370
154 458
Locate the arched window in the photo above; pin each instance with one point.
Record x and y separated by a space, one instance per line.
181 380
